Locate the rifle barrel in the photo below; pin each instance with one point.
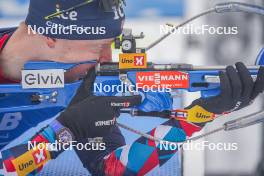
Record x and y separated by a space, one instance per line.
108 69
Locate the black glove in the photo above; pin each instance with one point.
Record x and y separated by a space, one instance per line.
93 116
238 90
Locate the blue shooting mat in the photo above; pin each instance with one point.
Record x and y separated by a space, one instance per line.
69 164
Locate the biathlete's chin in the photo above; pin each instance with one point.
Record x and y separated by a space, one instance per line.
105 59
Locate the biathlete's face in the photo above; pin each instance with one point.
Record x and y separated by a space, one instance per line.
74 51
83 50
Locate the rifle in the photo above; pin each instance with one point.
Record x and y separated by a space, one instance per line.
43 93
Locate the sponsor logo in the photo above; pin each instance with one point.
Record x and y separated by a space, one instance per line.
197 114
71 15
25 165
202 116
64 135
10 121
53 78
125 104
139 61
39 156
118 12
29 161
96 140
105 123
169 79
132 60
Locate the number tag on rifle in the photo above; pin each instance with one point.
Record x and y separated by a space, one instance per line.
132 60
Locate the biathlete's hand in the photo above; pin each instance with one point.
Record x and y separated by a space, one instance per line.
93 116
238 90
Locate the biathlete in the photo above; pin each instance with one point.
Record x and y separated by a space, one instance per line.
89 116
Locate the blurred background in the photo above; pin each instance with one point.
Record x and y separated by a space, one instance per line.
147 16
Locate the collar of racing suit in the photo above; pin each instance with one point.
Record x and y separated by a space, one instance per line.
5 34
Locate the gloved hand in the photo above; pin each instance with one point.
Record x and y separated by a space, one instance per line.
238 90
93 116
